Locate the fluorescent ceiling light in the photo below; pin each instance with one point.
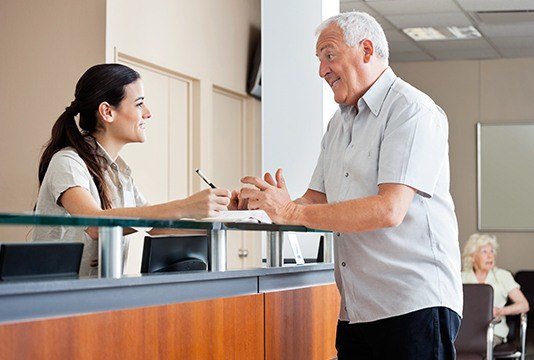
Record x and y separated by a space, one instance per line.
442 33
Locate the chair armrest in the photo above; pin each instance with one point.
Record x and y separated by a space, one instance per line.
523 335
489 337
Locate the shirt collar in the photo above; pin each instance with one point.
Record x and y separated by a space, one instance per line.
376 95
374 98
119 161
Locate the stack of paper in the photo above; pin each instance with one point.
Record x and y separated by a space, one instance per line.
247 216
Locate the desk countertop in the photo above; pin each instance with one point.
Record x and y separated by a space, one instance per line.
26 300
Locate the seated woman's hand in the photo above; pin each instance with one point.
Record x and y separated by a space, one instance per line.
206 203
497 312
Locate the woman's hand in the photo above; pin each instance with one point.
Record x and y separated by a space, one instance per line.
497 312
206 203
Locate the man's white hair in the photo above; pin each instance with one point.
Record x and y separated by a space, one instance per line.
475 242
357 26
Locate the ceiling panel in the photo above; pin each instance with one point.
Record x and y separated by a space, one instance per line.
518 52
409 56
447 45
402 46
504 35
524 29
424 20
396 35
514 42
400 7
359 6
465 54
496 5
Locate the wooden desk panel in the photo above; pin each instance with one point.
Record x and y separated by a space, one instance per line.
227 328
301 323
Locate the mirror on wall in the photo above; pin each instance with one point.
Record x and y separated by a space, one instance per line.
505 176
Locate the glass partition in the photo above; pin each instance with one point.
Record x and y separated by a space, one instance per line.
110 235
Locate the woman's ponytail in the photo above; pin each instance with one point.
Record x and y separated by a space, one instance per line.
63 131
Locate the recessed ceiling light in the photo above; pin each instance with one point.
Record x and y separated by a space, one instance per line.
442 33
424 33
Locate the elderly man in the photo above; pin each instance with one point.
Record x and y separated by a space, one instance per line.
382 185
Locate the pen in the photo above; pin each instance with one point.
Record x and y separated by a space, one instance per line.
203 177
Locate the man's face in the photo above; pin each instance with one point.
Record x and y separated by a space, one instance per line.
340 66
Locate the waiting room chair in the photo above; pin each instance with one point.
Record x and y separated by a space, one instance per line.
475 337
516 349
526 280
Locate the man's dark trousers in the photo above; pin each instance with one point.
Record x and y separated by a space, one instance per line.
419 335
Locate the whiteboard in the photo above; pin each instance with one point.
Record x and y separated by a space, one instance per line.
505 176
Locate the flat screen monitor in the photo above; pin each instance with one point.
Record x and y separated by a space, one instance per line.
40 260
174 253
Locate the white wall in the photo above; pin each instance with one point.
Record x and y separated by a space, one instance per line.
293 111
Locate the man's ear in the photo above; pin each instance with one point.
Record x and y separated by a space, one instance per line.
106 112
368 50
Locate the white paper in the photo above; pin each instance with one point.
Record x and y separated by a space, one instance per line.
247 216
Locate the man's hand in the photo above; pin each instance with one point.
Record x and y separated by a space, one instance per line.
270 196
234 201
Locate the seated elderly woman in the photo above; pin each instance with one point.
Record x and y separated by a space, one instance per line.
479 268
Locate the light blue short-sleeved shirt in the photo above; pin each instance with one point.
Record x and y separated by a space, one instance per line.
395 134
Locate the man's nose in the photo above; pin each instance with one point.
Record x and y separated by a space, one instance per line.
324 69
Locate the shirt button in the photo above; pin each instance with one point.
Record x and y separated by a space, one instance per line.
346 174
119 186
114 166
343 264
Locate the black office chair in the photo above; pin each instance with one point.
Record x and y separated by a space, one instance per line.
475 337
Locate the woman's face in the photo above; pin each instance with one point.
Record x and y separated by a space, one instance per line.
130 116
484 258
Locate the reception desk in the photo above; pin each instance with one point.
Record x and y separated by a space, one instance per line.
274 313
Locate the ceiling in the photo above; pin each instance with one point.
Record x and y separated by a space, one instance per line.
507 27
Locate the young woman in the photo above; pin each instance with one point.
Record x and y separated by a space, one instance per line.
81 172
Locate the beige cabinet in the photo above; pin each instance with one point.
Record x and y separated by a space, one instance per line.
217 130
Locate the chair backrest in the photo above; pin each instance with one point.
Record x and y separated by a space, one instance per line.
478 313
526 280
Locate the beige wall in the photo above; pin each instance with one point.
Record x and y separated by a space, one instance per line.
205 39
46 46
211 43
472 91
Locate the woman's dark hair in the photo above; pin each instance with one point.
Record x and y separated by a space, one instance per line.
100 83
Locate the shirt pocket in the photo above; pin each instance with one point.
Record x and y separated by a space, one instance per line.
363 168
